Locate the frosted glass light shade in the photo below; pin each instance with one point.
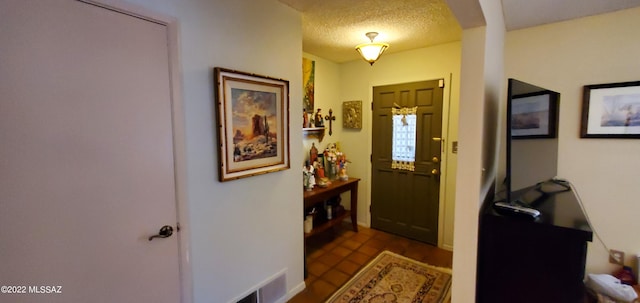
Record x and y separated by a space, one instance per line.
371 51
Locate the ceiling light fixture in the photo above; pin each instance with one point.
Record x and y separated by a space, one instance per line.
371 51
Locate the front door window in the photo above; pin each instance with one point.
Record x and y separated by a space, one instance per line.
404 138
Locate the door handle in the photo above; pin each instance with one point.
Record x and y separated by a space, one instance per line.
434 172
165 232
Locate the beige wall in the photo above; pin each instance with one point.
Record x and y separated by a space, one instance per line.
494 90
231 232
356 80
564 57
242 232
468 182
327 94
482 84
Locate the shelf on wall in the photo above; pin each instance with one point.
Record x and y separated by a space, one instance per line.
314 132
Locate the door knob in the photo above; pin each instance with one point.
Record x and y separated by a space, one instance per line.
435 159
165 232
434 171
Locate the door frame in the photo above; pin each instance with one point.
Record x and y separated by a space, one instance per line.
444 153
177 117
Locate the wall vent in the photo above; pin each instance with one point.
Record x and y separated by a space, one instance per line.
251 298
272 290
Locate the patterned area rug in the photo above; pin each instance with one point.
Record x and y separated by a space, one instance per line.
392 278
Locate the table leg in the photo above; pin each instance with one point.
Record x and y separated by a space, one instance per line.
354 206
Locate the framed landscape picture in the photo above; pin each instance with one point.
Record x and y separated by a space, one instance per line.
253 124
534 116
611 110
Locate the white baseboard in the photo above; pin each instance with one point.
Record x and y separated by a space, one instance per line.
447 247
364 224
293 292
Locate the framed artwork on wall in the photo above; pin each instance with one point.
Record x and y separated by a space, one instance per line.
308 82
352 114
611 110
534 116
253 124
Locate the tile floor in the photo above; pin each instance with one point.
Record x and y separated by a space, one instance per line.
334 256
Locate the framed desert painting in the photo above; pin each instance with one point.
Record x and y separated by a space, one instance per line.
253 124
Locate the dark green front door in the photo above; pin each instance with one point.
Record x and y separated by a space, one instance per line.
406 202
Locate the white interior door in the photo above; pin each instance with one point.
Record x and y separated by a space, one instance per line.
86 155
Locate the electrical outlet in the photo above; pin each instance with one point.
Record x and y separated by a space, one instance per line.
616 257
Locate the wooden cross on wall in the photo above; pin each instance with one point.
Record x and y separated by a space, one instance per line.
330 118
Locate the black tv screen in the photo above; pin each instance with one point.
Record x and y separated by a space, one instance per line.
532 140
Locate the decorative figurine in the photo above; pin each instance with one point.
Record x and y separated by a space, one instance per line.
313 153
318 120
308 179
342 167
321 180
305 119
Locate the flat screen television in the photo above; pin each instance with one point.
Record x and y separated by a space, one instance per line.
532 143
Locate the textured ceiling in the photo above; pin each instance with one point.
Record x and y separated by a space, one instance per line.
527 13
332 28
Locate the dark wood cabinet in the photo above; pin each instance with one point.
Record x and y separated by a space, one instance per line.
542 260
321 194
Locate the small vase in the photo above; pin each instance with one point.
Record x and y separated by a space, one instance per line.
333 171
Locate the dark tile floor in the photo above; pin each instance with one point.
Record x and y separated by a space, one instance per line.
334 256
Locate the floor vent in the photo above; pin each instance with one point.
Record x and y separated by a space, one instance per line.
251 298
272 291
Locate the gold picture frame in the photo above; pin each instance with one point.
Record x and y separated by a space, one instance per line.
352 114
253 124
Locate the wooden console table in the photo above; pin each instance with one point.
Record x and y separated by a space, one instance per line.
320 194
